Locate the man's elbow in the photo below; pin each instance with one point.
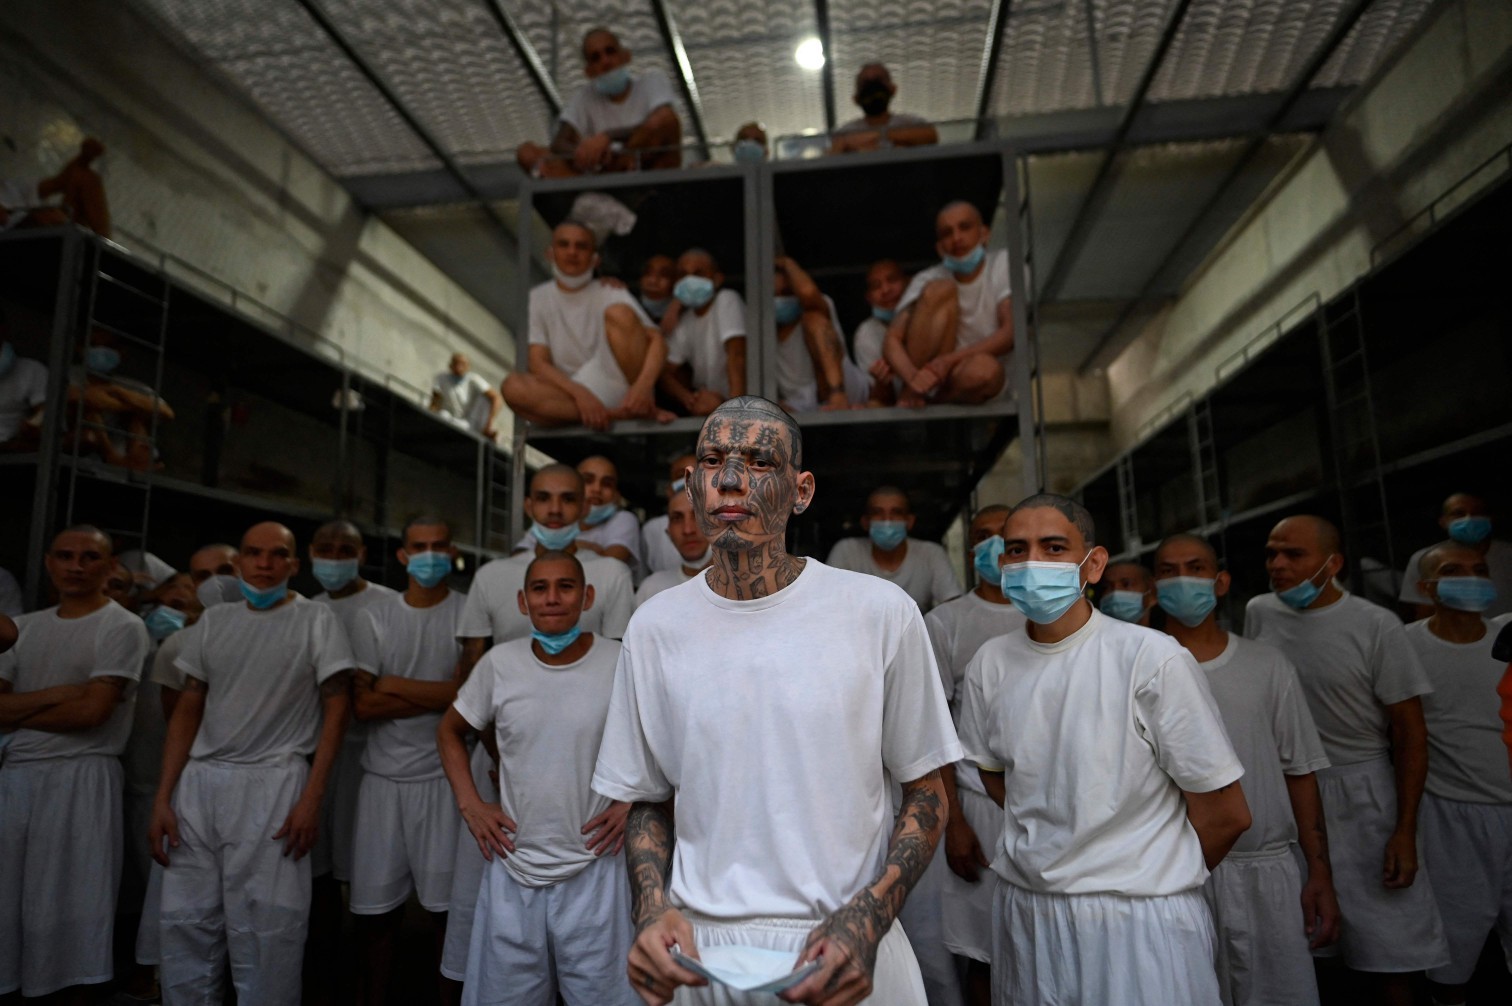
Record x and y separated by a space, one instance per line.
366 707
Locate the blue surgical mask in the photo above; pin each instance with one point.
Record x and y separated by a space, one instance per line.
7 358
1043 591
1470 530
334 574
429 568
679 485
656 307
598 514
555 538
612 84
694 291
554 644
1124 605
884 314
787 309
264 598
1466 593
967 263
984 558
164 621
1304 593
749 152
101 359
1188 599
887 534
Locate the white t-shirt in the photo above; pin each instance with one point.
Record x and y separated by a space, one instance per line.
957 629
660 581
549 723
1467 759
10 594
164 671
700 341
659 551
464 398
571 322
349 609
1498 558
591 113
925 573
393 639
108 643
775 722
622 528
1353 660
894 121
22 390
263 671
493 601
1257 692
1098 734
796 375
866 343
978 299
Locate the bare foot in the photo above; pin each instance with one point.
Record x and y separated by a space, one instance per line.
663 416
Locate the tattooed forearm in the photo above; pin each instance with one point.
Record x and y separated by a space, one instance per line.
648 860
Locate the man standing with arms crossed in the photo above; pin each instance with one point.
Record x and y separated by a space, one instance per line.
771 696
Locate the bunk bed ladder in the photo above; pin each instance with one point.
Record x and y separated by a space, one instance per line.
1128 514
494 534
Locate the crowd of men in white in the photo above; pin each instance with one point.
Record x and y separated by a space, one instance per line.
753 764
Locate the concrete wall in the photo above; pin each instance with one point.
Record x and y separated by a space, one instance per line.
195 170
1434 112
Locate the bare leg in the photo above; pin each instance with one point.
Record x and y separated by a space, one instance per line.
539 401
629 344
1393 989
973 380
932 327
824 349
376 936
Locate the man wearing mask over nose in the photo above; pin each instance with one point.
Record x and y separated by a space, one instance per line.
706 353
1113 816
594 355
878 128
1467 520
750 146
618 121
953 329
1467 809
1128 593
920 567
1364 683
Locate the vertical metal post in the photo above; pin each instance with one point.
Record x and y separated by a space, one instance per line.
483 489
341 497
1025 374
524 236
760 216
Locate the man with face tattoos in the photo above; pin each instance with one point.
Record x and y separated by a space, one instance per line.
731 694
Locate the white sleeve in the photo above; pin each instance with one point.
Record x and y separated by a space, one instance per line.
10 595
627 532
935 625
618 599
164 672
1398 674
474 701
677 343
332 652
976 716
191 656
574 112
997 275
1410 593
1176 714
915 288
476 621
655 89
1254 621
1297 740
536 323
943 585
917 733
618 296
729 316
627 769
366 648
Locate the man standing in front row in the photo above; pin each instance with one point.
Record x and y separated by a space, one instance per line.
1364 685
1255 893
238 807
66 689
772 696
1119 787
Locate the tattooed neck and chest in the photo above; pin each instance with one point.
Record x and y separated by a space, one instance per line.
749 574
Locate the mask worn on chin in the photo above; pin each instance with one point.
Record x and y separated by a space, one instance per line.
656 307
887 534
1188 599
679 485
1043 591
699 562
554 644
598 514
572 282
884 314
1470 530
555 538
1304 593
873 97
966 264
1124 605
612 84
1466 593
164 621
985 556
264 598
429 568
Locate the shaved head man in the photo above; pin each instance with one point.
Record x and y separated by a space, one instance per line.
465 396
212 560
607 528
888 551
1468 520
1363 682
67 689
1128 593
658 549
879 128
775 624
1112 816
257 729
686 537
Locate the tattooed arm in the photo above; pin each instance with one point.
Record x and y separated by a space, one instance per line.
1320 906
848 939
648 860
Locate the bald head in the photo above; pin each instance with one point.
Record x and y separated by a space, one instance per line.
1127 576
98 539
269 532
1464 505
577 229
956 210
1319 533
337 531
556 470
752 408
212 560
597 34
1451 558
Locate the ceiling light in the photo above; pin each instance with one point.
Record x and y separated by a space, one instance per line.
810 54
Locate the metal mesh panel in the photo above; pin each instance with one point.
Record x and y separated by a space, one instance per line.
933 50
1373 38
291 70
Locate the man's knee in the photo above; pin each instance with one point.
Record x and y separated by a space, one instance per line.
978 377
518 390
529 155
938 293
621 324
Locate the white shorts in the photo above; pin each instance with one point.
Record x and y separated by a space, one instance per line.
60 867
229 891
1263 958
602 376
1469 846
467 878
406 841
1383 930
574 935
338 812
968 906
895 977
1095 949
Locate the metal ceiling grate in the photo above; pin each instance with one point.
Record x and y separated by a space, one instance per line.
1383 27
